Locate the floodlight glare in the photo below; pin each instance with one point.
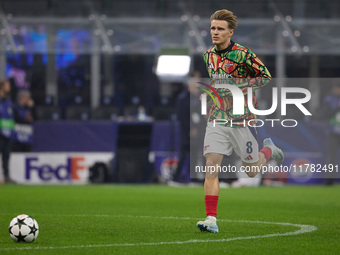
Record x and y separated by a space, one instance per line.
173 65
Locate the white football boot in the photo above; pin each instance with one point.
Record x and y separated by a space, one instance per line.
277 153
208 225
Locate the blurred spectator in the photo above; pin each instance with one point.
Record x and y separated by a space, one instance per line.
332 113
141 115
23 117
190 120
6 127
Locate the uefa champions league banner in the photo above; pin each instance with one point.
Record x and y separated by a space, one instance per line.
55 168
23 133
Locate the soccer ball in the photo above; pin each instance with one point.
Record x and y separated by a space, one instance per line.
23 228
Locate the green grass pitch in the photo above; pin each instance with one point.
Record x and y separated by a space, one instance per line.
149 219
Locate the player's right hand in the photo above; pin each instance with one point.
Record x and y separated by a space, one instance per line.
207 96
200 98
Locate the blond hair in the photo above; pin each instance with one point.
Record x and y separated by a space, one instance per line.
227 16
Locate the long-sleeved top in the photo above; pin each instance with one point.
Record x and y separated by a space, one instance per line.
239 66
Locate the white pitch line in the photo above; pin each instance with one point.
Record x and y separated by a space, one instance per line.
303 229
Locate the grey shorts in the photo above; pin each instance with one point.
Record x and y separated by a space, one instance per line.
223 140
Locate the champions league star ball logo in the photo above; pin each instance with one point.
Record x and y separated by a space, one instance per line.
23 228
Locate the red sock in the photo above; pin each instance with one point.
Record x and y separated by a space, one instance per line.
267 152
211 205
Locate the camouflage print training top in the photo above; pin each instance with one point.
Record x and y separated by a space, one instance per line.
239 66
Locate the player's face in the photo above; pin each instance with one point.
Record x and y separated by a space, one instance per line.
220 34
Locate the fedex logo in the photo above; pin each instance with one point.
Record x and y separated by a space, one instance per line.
72 170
